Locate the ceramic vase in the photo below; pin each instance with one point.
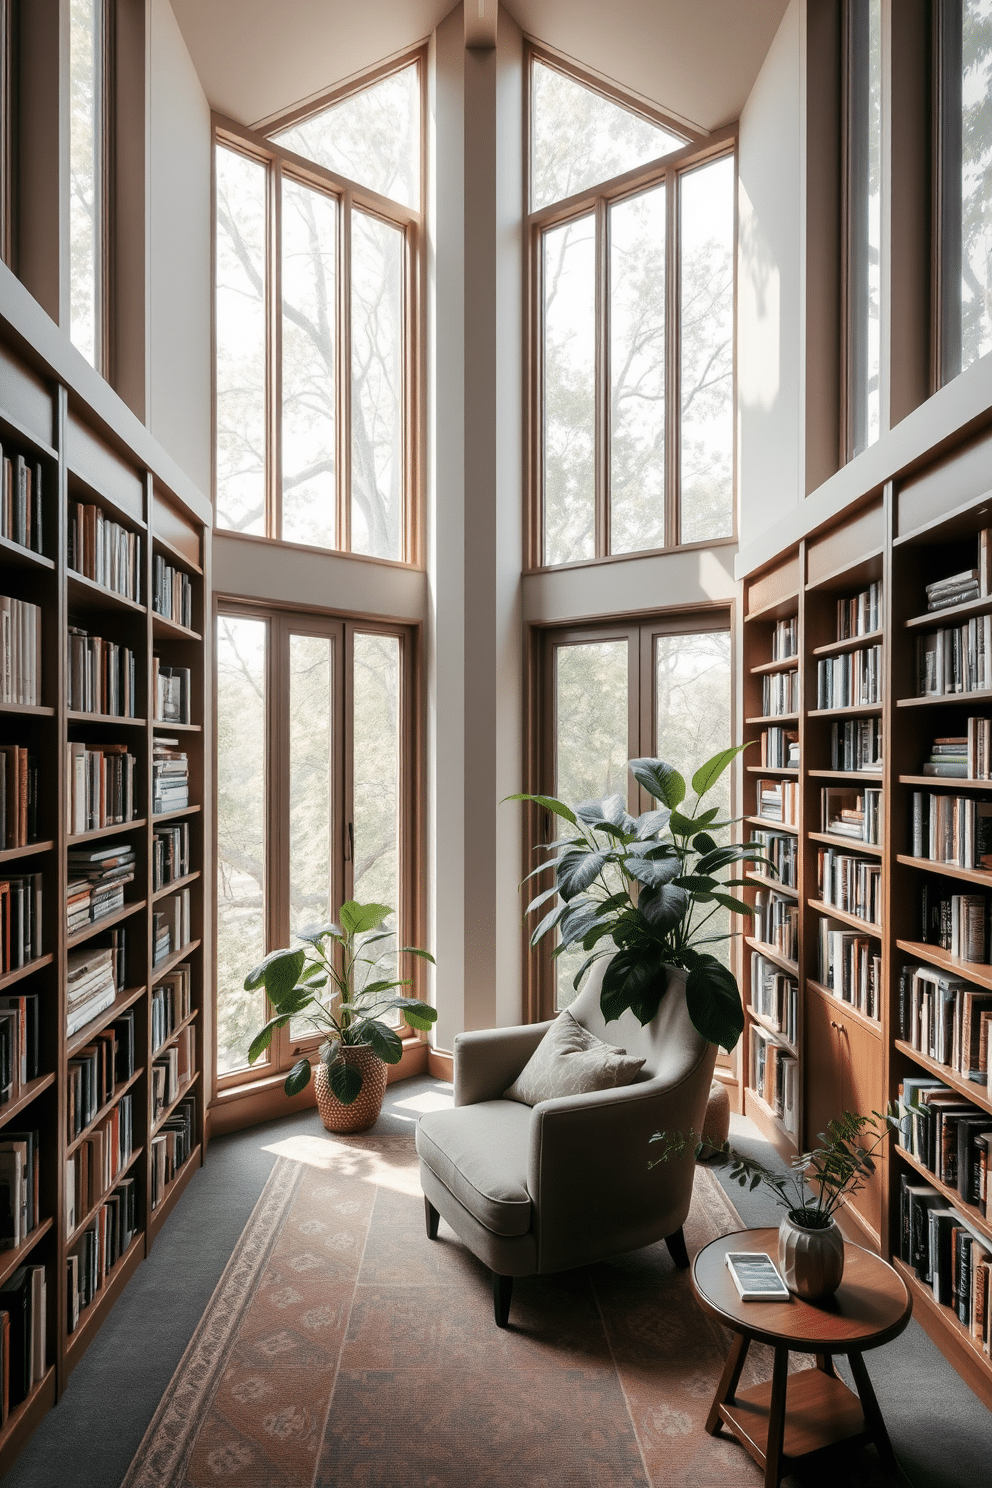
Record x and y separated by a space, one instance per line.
812 1261
363 1112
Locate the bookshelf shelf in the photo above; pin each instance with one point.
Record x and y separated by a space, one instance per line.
935 619
175 557
171 961
786 664
769 824
945 700
848 777
173 1036
169 1109
947 1331
14 554
162 727
20 972
853 710
28 710
856 923
29 1093
945 783
772 884
973 971
976 1220
769 1027
94 1208
853 845
11 1259
77 716
978 876
89 1031
94 596
164 816
113 831
105 922
853 643
773 718
24 1418
171 630
175 884
761 1112
104 1111
771 954
786 770
967 1088
11 854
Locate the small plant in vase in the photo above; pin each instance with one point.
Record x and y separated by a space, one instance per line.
810 1244
334 983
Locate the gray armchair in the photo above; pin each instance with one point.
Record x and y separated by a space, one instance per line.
566 1182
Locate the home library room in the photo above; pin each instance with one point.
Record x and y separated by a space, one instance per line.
868 970
103 1023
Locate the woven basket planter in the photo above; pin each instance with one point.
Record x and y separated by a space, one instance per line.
363 1112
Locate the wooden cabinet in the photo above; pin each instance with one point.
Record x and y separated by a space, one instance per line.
844 1071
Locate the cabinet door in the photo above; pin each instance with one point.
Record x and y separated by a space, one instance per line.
825 1063
866 1093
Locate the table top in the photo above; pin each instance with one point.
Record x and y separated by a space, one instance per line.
871 1305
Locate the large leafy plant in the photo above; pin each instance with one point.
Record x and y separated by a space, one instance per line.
644 890
333 983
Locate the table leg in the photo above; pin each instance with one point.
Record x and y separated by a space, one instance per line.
776 1419
825 1363
873 1416
729 1380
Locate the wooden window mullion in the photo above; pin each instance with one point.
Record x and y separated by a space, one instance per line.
273 306
344 376
602 427
673 382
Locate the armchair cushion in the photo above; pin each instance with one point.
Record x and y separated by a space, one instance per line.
480 1153
570 1060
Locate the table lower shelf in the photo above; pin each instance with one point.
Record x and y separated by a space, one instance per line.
820 1411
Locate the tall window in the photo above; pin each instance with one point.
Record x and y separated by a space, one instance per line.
864 221
612 692
89 41
314 797
964 155
632 234
317 255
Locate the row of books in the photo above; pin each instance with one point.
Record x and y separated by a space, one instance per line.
850 680
947 1019
955 659
172 1071
775 996
23 1334
20 652
778 800
96 1071
776 923
774 1075
946 1255
852 813
171 1003
971 583
20 920
779 693
851 884
952 829
104 550
172 925
92 983
861 614
944 1132
100 786
170 776
102 675
779 749
170 853
172 592
18 795
99 1248
95 886
782 851
98 1161
171 691
20 1042
851 967
171 1146
785 638
21 502
958 923
963 756
856 744
20 1186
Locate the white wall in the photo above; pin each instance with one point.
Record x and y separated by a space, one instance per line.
179 225
769 346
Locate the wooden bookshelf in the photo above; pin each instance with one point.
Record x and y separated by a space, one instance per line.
118 469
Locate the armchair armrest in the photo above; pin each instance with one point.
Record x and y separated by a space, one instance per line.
488 1060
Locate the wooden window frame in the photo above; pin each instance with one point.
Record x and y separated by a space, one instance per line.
700 150
640 632
349 196
284 622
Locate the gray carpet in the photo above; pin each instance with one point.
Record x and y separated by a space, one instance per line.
941 1433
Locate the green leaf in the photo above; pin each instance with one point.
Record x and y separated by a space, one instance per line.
664 908
316 933
385 1041
263 1038
357 918
258 974
661 781
703 843
549 803
682 826
418 1014
298 1078
652 872
719 858
606 815
416 951
634 980
329 1051
736 906
697 882
549 922
649 823
707 775
578 871
714 1004
282 972
582 917
346 1082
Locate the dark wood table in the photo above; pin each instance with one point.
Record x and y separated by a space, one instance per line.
778 1425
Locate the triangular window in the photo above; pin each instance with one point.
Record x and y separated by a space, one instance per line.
579 138
372 137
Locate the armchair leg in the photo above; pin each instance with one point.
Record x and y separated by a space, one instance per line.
676 1248
432 1217
502 1292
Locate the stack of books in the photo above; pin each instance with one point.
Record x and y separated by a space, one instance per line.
99 786
171 1147
860 615
104 551
20 502
955 659
18 796
851 884
947 1256
852 813
850 680
947 1019
100 1246
778 800
785 638
776 923
851 967
956 589
171 1003
782 854
952 829
170 854
958 923
20 652
170 776
91 986
779 749
20 920
23 1332
20 1202
963 756
172 925
102 676
97 1070
780 693
856 744
172 592
775 997
96 883
20 1043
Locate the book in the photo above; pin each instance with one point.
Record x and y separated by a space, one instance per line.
756 1276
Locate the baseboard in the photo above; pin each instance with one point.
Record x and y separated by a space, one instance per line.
440 1064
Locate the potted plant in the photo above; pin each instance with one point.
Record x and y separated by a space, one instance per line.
333 983
644 889
810 1244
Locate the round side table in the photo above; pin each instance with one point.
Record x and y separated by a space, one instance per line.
778 1424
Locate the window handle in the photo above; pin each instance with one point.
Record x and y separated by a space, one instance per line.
349 846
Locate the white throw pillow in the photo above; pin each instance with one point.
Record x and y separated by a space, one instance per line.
570 1060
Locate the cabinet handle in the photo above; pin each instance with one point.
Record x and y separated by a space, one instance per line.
839 1026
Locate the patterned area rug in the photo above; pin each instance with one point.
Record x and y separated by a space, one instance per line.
341 1346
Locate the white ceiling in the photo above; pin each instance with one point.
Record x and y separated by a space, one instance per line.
697 58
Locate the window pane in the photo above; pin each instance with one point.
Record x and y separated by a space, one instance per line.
241 798
865 207
570 392
637 373
706 298
376 773
309 298
579 138
590 744
240 312
311 799
376 387
85 86
976 181
692 723
373 137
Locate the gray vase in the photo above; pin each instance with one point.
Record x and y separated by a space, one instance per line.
812 1261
